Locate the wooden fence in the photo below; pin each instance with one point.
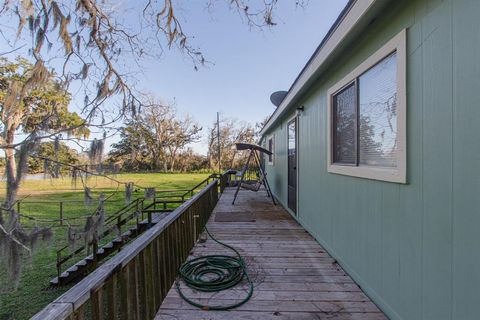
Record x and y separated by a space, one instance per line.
68 209
133 283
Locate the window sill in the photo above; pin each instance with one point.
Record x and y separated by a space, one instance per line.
383 174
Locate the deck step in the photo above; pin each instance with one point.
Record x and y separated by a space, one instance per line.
108 246
83 266
73 268
81 263
117 241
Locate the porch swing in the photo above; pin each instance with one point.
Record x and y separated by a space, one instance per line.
256 186
261 174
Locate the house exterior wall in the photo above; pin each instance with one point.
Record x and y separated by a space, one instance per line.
413 248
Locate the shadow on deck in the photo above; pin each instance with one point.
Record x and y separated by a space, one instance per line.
294 277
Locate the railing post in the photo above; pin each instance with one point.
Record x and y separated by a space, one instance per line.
59 265
95 249
195 217
96 301
61 213
119 226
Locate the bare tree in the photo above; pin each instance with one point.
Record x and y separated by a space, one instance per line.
96 38
183 131
171 133
159 135
87 41
156 121
189 161
231 131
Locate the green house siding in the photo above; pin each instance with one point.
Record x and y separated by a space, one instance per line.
415 247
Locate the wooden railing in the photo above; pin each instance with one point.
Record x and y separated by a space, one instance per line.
68 209
223 182
113 225
135 210
133 283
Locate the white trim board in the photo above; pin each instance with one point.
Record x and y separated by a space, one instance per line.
397 44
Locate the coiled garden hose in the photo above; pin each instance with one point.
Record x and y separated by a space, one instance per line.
213 273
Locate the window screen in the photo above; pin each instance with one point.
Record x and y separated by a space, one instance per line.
378 114
344 111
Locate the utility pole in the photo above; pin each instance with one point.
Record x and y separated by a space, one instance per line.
218 142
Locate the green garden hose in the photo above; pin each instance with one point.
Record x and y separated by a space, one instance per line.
213 273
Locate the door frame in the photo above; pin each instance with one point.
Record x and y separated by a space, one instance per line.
295 118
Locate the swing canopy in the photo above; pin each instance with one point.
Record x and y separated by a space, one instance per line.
251 146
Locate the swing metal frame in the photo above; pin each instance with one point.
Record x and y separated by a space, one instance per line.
254 156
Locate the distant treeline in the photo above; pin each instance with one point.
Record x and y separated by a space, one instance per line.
157 141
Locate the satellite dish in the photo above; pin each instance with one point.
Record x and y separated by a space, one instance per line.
277 97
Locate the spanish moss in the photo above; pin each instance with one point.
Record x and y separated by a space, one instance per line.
96 151
88 199
128 192
149 193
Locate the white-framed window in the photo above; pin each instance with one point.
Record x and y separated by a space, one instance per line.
271 148
367 117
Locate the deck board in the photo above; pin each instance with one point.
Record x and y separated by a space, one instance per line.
293 276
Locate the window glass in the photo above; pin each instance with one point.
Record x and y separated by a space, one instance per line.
378 114
292 153
291 137
344 110
270 148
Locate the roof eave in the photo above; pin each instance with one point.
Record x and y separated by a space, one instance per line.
353 19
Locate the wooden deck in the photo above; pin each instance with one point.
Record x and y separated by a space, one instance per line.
294 276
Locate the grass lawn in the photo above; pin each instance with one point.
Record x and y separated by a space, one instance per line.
41 199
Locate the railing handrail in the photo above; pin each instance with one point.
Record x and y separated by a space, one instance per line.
186 191
79 294
126 210
81 201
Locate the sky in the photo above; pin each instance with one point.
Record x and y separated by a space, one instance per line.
247 64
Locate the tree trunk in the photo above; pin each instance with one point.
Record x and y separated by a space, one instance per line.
11 171
233 160
173 154
15 167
